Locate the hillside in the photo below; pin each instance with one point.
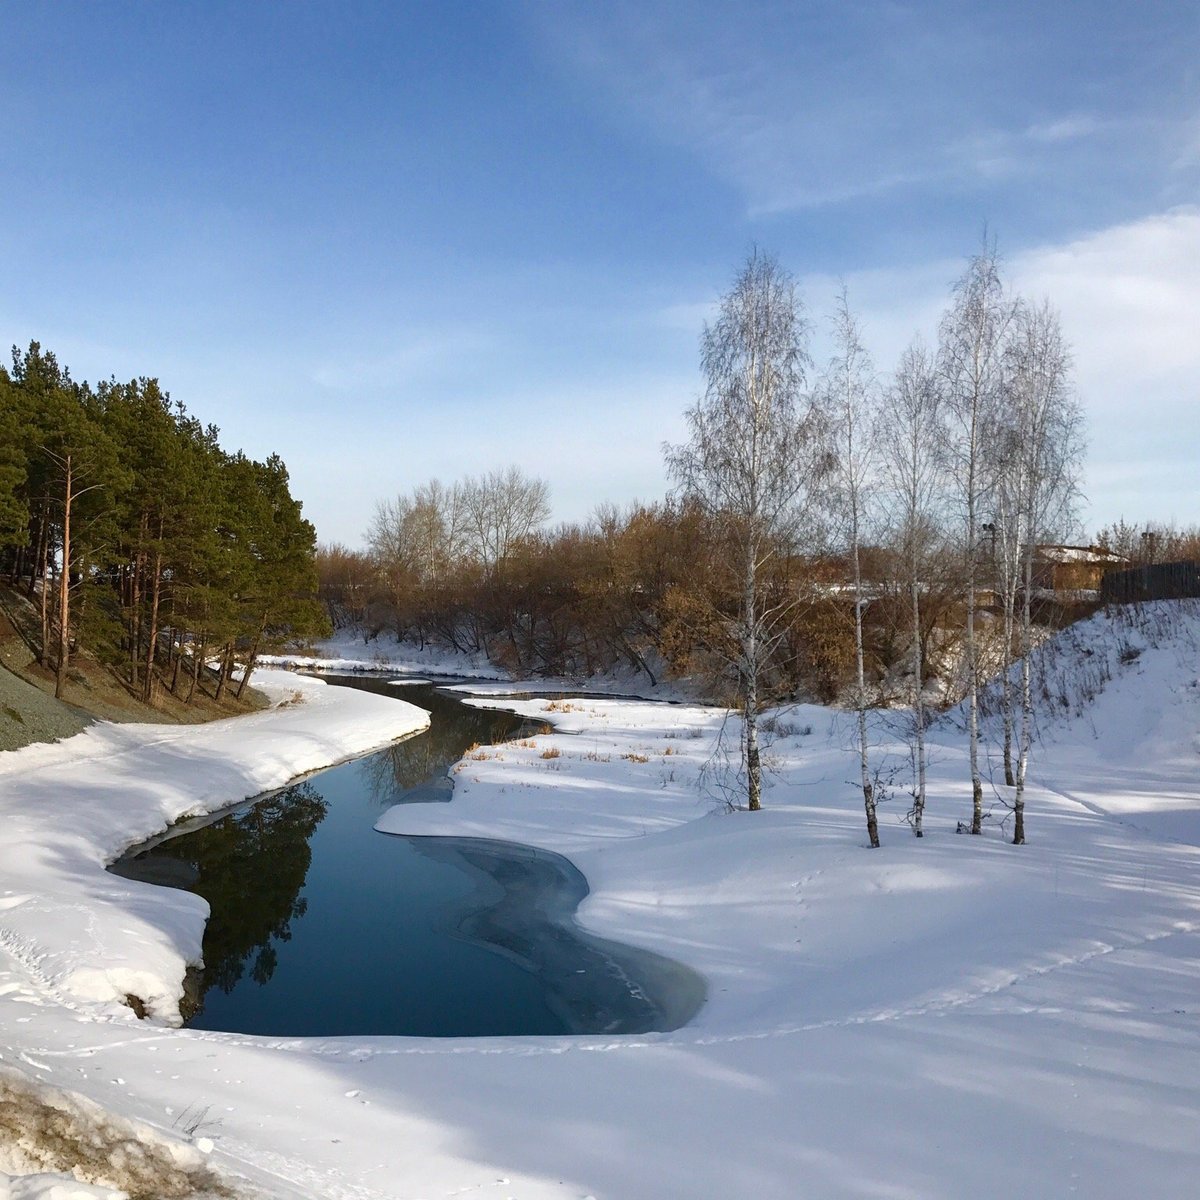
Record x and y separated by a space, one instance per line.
29 712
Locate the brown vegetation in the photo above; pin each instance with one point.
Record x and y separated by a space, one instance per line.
100 688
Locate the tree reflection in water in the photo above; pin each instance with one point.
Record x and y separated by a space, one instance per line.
252 909
416 770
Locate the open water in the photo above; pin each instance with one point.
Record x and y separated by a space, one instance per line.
321 926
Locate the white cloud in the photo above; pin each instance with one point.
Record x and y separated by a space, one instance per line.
1129 300
1066 129
809 105
1130 303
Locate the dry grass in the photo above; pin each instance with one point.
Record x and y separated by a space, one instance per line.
636 758
552 752
48 1130
562 706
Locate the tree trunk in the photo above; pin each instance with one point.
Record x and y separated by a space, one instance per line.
245 679
750 698
44 597
40 556
177 661
753 757
1026 735
973 673
860 684
1006 689
918 704
223 677
64 590
152 640
197 656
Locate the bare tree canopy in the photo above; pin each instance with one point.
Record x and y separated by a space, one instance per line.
754 458
971 362
499 509
851 398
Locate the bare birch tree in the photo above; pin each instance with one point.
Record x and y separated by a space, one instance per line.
912 464
499 509
970 355
1048 452
753 462
849 394
1007 534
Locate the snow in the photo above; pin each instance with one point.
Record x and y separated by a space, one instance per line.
939 1018
1095 555
349 651
52 1186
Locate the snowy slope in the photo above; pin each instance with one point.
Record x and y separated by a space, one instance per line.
936 1019
85 937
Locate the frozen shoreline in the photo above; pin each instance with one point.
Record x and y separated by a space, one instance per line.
80 803
879 1022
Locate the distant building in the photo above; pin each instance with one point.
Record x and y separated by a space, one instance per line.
1073 569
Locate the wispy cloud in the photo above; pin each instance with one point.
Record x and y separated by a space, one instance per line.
1067 129
806 106
411 355
1187 157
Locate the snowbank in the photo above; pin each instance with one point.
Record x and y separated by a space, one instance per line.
84 938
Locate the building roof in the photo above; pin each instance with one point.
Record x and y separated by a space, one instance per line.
1093 555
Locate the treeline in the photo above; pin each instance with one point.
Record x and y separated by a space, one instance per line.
1148 545
141 540
643 589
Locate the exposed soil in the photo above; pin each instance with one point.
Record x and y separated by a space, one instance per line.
29 712
44 1129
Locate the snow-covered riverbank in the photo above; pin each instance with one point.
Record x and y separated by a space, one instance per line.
935 1019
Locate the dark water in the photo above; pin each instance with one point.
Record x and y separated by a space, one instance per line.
322 926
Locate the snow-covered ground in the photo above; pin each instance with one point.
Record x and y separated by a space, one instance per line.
940 1018
348 651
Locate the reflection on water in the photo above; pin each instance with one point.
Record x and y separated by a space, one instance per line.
252 909
321 926
417 770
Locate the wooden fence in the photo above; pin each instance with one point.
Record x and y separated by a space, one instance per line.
1160 581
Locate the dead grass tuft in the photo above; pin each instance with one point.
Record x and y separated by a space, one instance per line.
48 1130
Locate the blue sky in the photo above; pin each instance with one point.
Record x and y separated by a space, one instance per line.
398 241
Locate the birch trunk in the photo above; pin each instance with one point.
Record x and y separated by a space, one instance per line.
918 701
750 682
1026 735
